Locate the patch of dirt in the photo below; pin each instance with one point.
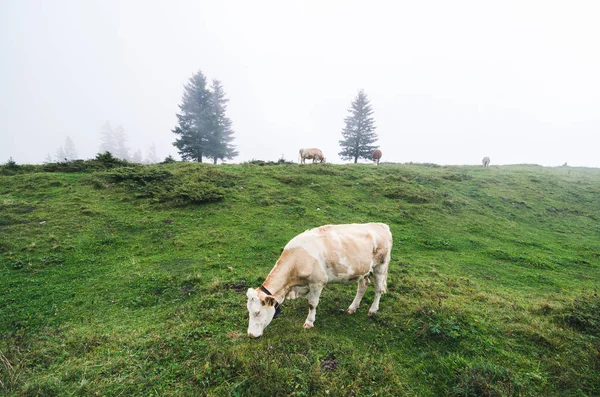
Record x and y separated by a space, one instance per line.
187 289
329 363
237 287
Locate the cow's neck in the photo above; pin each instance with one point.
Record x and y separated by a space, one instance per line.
276 288
280 280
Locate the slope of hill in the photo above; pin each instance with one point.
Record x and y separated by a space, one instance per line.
131 281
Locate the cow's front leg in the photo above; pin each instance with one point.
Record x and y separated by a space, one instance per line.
313 301
360 291
380 275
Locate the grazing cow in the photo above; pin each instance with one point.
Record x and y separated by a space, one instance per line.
311 153
376 156
326 254
485 161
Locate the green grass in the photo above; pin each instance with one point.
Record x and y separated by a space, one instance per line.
131 281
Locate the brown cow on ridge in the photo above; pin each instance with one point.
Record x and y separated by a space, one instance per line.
311 153
376 156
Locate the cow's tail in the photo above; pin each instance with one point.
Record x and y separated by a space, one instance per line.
388 255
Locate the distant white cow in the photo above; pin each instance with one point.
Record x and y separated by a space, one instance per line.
311 153
485 161
327 254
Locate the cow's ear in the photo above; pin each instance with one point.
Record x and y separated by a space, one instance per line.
270 300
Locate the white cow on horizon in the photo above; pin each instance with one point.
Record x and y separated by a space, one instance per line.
310 153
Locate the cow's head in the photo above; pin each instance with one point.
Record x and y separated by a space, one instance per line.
261 311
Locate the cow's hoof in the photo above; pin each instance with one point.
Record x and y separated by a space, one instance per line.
371 313
351 311
308 325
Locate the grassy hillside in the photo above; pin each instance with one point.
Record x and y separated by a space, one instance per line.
131 281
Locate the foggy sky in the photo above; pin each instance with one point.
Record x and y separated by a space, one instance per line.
449 82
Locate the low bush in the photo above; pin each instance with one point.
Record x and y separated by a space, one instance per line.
408 193
202 184
485 379
584 314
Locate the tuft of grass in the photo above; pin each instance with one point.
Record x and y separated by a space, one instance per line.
485 379
584 313
409 193
10 372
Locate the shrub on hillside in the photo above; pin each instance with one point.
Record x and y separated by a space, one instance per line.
262 163
109 161
197 185
584 314
168 160
192 192
12 168
441 323
102 161
11 164
136 176
485 379
408 193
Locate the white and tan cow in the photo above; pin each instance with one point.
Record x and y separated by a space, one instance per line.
311 153
326 254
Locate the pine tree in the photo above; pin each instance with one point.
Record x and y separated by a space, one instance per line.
107 139
194 122
203 128
121 149
70 151
113 140
137 157
151 157
67 152
60 155
220 139
359 132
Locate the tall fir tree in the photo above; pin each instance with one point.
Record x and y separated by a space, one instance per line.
221 137
194 122
151 157
359 132
121 149
67 152
137 157
203 129
107 138
113 140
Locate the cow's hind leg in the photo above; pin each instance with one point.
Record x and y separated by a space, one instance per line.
380 275
360 291
313 301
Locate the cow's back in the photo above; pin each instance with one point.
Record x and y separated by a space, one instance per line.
344 252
